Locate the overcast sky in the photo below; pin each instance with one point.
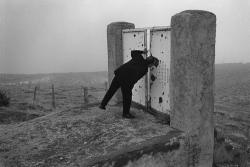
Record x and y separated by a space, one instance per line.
42 36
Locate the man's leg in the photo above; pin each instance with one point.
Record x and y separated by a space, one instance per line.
111 91
127 98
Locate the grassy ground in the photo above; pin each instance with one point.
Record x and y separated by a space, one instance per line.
33 133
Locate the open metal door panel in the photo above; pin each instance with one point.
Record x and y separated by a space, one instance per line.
159 77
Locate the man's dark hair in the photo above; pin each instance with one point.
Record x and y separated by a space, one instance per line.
152 60
136 52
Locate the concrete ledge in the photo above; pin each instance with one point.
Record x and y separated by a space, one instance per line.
131 154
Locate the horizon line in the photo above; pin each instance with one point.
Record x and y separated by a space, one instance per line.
44 73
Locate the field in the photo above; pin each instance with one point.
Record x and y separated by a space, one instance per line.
68 92
34 133
35 120
232 112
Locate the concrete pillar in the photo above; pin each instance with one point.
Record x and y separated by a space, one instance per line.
192 82
115 57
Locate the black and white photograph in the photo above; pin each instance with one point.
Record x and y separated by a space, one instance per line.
124 83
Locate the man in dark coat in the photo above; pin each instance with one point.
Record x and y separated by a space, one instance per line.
125 78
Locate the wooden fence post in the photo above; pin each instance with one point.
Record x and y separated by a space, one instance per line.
53 97
82 94
34 97
85 90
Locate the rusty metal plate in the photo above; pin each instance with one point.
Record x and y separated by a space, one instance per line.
159 77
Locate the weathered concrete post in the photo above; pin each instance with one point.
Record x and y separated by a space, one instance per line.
115 57
192 82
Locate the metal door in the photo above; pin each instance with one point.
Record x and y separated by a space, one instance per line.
159 77
135 39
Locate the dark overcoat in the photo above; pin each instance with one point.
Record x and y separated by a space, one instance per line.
129 73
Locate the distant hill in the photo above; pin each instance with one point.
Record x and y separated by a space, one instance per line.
56 78
227 76
232 76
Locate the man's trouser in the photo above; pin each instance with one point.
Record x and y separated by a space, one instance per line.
126 94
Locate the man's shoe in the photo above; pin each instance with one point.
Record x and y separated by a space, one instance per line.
128 115
102 107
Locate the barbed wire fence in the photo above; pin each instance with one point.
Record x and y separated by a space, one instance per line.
62 96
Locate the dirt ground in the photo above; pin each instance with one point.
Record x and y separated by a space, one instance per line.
70 137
